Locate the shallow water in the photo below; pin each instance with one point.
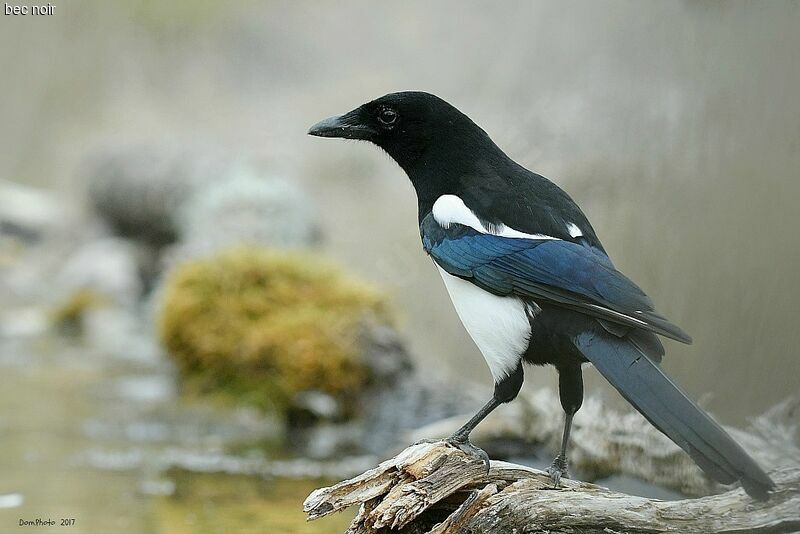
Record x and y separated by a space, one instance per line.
45 401
90 437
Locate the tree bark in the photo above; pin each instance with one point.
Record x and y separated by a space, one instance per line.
435 488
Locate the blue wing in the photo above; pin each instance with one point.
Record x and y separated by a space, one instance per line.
564 273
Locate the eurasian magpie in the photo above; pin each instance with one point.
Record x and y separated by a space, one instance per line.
531 281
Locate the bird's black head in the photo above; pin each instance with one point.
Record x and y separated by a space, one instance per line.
407 125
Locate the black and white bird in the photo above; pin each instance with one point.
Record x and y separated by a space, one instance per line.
531 281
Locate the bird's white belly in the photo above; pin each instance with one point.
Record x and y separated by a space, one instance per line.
499 326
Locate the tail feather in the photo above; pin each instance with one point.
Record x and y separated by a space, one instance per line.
661 401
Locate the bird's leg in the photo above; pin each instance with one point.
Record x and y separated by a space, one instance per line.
559 468
460 438
505 390
570 392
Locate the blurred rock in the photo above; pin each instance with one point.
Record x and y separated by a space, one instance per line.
138 190
23 322
27 212
120 333
107 267
207 199
320 405
326 440
412 400
383 352
28 269
390 409
96 293
247 208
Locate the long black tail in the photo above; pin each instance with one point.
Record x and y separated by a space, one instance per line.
662 402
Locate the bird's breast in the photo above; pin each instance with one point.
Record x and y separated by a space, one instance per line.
499 326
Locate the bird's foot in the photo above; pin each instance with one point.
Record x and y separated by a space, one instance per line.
558 470
463 444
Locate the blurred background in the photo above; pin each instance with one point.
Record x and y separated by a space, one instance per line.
160 205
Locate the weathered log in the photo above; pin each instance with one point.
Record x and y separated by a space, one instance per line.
435 488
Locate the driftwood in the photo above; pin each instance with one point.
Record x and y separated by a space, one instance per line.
435 488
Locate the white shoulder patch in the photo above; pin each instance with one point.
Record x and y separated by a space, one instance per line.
450 209
573 230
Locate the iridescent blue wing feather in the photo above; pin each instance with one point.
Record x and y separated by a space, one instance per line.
565 273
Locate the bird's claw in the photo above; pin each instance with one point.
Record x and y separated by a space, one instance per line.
466 446
558 470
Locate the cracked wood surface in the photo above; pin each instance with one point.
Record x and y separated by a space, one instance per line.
432 487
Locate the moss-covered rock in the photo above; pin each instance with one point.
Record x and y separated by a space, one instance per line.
259 327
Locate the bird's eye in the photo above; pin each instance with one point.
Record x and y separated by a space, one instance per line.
387 116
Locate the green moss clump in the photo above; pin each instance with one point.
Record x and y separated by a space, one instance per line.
259 326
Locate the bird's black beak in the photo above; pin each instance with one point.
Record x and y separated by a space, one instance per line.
347 126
